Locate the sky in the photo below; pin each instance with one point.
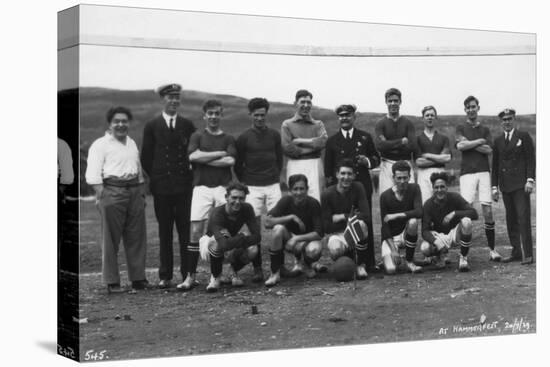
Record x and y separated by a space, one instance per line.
129 48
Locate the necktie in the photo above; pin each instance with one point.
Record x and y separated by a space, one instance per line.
507 140
347 136
171 124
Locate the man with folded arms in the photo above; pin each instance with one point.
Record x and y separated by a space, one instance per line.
395 139
303 139
114 172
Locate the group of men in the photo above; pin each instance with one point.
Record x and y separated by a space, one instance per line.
190 175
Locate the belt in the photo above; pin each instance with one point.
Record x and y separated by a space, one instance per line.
121 183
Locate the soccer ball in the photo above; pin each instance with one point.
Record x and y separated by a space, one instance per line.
343 269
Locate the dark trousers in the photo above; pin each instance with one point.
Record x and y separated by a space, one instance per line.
518 222
170 209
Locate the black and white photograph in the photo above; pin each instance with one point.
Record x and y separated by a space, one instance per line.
307 186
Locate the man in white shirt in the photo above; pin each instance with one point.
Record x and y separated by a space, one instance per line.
114 172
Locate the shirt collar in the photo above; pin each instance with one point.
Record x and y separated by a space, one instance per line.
297 117
344 132
473 124
110 136
511 132
167 118
391 118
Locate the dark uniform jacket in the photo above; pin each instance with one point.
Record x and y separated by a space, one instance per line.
164 155
513 163
338 148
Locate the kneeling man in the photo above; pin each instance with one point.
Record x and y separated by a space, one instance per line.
224 236
447 221
400 209
339 202
297 228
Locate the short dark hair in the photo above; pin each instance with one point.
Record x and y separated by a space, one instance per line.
439 176
401 166
118 109
427 108
293 179
236 185
211 103
470 99
345 162
303 93
257 103
391 92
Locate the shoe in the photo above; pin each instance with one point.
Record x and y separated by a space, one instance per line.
236 281
214 284
140 284
319 268
285 273
309 272
165 283
463 264
510 259
439 261
528 260
258 275
297 269
273 279
413 268
188 284
428 260
373 269
114 288
494 256
225 279
361 272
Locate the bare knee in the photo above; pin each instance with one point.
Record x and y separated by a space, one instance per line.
196 231
252 252
313 250
426 248
335 248
466 224
412 226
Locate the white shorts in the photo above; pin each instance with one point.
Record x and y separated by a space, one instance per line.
472 182
386 175
205 199
398 241
313 170
263 196
448 239
426 188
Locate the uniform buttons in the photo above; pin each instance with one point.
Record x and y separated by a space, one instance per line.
166 155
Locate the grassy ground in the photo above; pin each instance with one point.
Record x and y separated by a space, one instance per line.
492 299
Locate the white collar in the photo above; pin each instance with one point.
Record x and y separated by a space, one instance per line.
511 132
111 137
344 132
167 118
